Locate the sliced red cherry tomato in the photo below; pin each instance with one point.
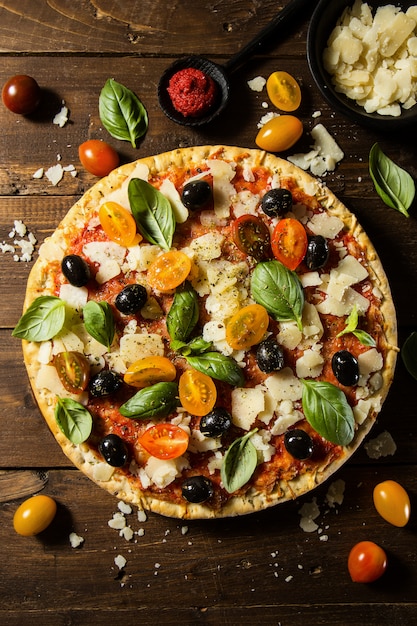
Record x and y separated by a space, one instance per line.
165 441
197 392
73 370
392 502
366 562
251 235
169 270
34 515
118 223
289 242
247 327
283 91
98 157
280 133
21 94
150 370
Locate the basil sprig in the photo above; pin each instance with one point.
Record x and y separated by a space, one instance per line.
279 290
73 420
183 314
99 322
327 410
157 400
152 212
409 354
351 327
393 184
218 366
122 113
239 463
42 320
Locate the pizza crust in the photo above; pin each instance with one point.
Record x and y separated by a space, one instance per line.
41 282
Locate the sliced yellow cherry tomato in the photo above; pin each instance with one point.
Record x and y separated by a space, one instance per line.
169 270
197 392
165 441
118 224
283 91
34 515
247 327
392 502
150 370
280 133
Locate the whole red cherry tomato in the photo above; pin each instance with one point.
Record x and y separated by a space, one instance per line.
21 94
366 562
98 157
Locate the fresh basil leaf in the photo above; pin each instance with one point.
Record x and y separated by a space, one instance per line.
122 113
327 410
409 354
239 463
73 420
196 346
351 327
42 320
158 400
99 322
279 290
393 184
152 212
183 314
218 366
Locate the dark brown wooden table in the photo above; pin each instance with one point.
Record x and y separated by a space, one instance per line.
258 569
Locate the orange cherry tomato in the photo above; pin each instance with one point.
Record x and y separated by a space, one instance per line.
169 270
247 327
280 133
165 441
34 515
98 157
197 392
366 562
73 370
289 242
118 224
283 91
392 502
150 370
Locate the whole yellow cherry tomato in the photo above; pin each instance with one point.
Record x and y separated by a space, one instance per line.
34 515
392 502
283 91
280 133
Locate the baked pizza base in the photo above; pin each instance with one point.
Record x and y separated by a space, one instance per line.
41 282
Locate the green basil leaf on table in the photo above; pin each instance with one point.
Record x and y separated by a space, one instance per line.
327 410
409 354
239 463
99 322
122 113
183 314
351 327
393 184
42 320
158 400
73 420
279 290
152 212
219 367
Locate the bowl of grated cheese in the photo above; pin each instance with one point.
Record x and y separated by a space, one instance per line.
363 57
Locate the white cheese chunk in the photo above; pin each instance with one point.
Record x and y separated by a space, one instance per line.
329 226
260 441
310 364
109 256
246 405
169 190
163 472
284 385
369 362
140 345
245 203
75 297
208 246
50 250
286 416
289 335
223 190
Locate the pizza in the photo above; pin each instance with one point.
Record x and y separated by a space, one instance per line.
208 332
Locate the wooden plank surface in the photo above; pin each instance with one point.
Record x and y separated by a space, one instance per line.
258 569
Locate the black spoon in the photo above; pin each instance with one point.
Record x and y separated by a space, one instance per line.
219 73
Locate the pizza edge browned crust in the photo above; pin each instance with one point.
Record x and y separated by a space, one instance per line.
40 282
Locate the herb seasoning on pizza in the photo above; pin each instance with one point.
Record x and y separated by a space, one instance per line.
209 332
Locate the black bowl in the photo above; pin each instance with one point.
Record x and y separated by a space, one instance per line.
324 19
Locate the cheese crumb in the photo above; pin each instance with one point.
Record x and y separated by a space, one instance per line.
75 540
257 83
120 561
61 118
383 445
